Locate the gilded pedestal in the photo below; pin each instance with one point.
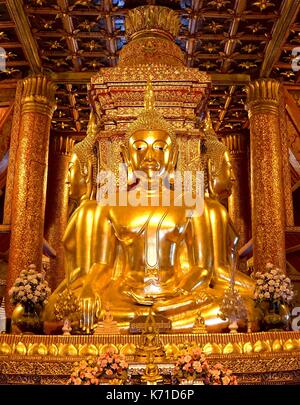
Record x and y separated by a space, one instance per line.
29 191
268 213
256 358
57 204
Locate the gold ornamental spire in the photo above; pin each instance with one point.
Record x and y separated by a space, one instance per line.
155 19
149 101
149 118
215 149
208 126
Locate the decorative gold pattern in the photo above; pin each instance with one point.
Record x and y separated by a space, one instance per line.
263 96
153 19
286 171
268 217
38 95
29 192
12 153
118 94
256 358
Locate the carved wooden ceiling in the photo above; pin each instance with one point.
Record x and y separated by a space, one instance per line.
229 37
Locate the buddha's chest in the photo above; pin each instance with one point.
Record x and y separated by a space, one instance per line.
155 224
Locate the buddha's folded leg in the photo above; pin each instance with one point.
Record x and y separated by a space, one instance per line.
211 313
185 302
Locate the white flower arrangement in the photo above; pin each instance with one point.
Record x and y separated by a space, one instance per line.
273 285
30 288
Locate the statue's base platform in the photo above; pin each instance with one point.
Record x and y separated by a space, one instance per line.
256 358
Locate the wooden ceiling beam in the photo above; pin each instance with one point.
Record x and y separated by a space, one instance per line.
244 16
121 12
226 79
193 22
225 108
111 43
288 14
242 56
239 7
75 112
11 45
29 45
6 25
69 28
220 37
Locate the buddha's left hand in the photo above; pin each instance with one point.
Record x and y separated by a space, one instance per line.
90 305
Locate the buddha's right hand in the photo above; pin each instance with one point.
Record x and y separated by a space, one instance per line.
90 305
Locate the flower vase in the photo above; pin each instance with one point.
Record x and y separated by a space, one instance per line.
276 316
67 328
25 320
111 381
187 381
233 326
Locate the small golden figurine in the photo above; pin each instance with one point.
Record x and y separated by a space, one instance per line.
151 345
199 325
108 325
151 374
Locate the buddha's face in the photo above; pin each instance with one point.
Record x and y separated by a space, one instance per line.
75 180
222 183
150 152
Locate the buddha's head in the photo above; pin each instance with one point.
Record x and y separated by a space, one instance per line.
77 179
150 144
221 177
82 165
151 151
220 171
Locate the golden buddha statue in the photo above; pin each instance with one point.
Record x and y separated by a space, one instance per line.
148 240
78 236
151 345
199 325
108 325
225 238
152 374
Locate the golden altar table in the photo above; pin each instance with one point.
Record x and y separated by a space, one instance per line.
256 358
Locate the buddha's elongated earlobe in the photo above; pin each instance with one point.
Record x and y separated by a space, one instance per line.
211 178
131 179
172 165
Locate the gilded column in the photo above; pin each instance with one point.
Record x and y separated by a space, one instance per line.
57 203
268 213
29 190
286 171
14 140
239 201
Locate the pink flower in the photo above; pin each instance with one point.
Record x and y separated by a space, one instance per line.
103 363
123 364
187 358
218 366
77 381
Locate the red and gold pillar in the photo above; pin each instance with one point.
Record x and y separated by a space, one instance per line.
57 203
14 138
239 201
268 208
286 170
30 176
